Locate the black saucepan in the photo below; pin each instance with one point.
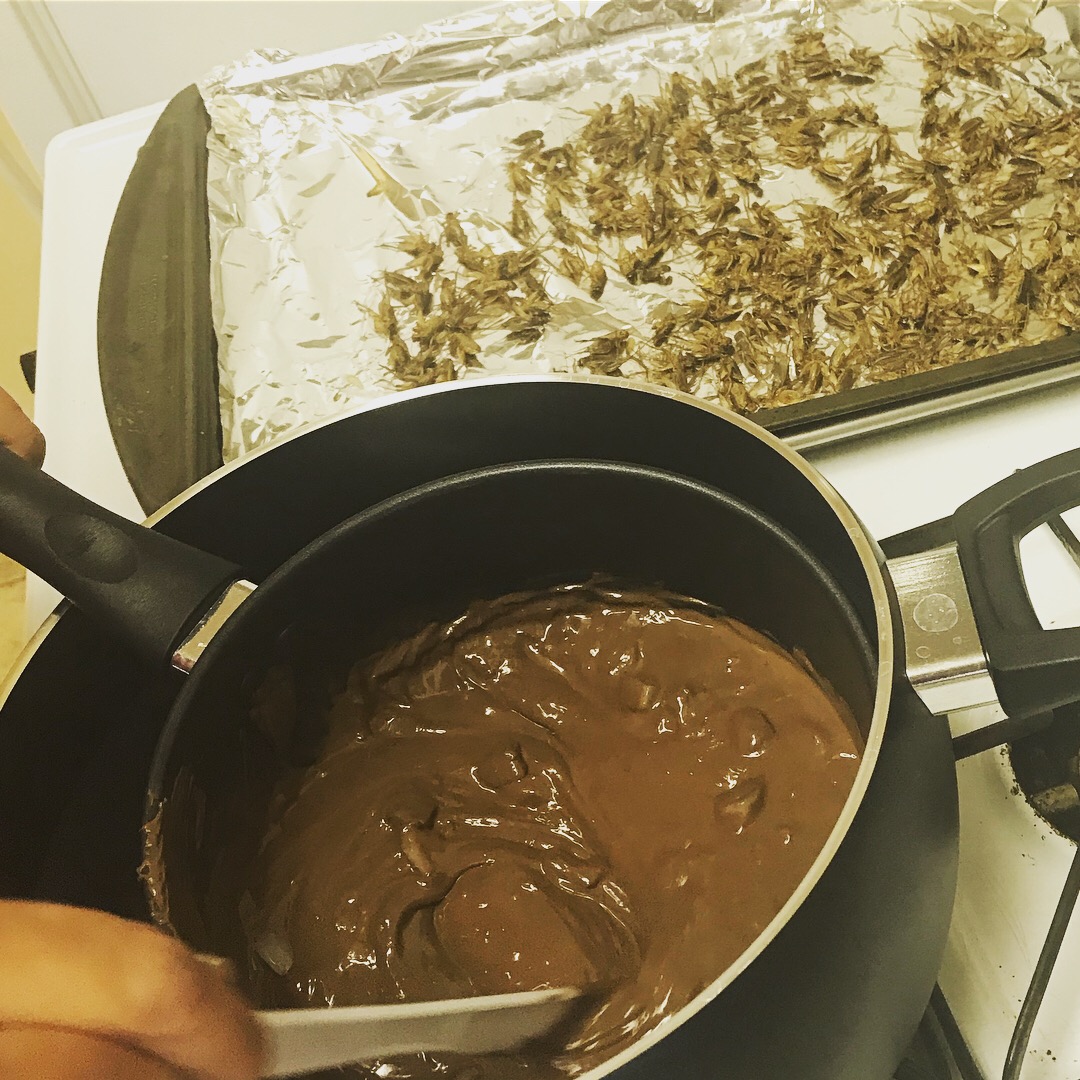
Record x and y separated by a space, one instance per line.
484 488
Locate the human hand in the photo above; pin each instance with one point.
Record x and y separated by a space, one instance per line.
18 432
89 996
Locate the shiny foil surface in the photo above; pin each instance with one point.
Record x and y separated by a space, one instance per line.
319 166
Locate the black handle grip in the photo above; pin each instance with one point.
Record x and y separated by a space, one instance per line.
1034 670
145 586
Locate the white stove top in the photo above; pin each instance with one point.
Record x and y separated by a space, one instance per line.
1012 866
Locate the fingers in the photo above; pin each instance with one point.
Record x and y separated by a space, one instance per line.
91 972
18 432
29 1053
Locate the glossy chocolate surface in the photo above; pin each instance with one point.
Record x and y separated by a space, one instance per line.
586 786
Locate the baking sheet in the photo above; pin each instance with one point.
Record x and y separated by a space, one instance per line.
157 352
320 166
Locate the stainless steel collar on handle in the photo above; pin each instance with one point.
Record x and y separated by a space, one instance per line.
943 652
193 646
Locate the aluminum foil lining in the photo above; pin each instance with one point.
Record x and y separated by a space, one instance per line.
320 165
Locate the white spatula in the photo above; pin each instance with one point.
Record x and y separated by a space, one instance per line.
304 1040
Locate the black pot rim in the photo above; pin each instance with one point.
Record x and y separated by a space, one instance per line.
883 639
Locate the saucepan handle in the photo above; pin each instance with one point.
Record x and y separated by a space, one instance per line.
1034 670
145 586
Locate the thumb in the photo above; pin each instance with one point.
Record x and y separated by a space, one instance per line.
18 432
87 971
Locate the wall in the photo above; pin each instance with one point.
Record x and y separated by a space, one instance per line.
68 62
20 244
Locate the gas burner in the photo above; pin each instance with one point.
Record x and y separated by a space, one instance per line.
1047 767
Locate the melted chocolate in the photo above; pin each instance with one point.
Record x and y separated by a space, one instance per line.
579 787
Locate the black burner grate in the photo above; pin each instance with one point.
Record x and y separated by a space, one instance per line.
1047 766
1045 754
929 1057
